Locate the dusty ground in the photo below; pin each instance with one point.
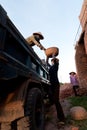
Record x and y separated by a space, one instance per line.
51 121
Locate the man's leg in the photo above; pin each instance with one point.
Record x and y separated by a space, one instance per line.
75 92
60 113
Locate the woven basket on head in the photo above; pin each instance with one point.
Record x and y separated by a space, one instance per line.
51 52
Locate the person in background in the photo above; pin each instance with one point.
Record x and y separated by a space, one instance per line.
55 88
74 82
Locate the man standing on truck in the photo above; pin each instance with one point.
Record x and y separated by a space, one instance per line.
55 88
34 39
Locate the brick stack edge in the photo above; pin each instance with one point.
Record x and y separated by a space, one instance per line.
81 50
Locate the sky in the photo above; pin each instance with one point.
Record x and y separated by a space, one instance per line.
57 20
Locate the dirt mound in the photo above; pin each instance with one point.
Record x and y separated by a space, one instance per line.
66 90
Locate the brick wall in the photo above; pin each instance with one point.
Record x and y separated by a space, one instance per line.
83 14
81 50
81 64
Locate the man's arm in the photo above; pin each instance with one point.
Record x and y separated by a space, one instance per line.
31 40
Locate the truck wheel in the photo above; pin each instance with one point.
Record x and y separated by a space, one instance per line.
34 107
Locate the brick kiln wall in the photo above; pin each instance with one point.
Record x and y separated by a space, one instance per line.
81 49
81 66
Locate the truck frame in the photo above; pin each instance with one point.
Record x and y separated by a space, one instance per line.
24 80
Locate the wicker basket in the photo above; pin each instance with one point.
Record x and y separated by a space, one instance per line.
51 52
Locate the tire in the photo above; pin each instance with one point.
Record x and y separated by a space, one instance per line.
34 108
34 114
52 51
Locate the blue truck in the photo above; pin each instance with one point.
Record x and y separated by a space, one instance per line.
24 81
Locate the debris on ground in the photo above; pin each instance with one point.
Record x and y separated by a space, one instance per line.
51 117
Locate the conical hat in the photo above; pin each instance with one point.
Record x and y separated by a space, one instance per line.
40 34
72 73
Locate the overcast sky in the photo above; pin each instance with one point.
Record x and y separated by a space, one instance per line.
57 20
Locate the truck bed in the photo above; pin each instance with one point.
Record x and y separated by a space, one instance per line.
17 58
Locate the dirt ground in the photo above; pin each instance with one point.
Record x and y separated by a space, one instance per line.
51 121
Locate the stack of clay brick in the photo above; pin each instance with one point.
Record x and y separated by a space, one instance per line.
83 14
